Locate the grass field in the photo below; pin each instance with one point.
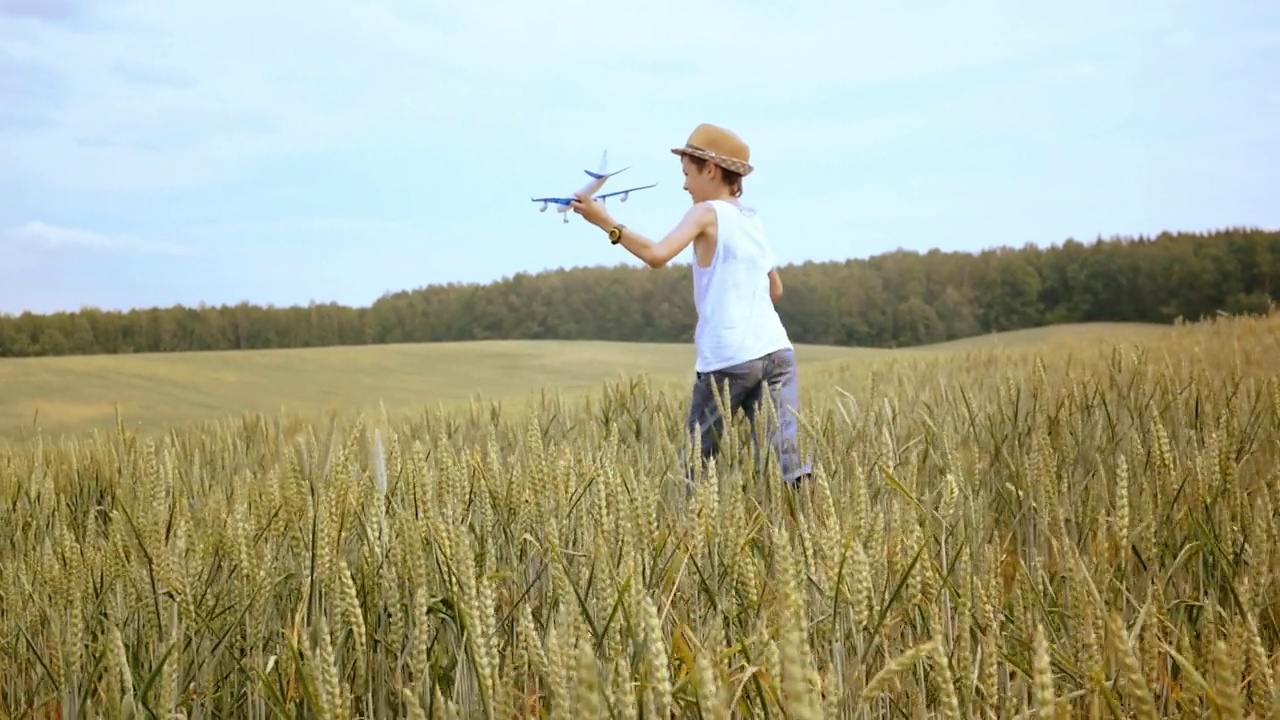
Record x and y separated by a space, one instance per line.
1056 336
1004 527
74 394
157 391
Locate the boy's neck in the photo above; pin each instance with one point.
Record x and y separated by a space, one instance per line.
725 196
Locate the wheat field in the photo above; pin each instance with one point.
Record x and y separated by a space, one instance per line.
1070 531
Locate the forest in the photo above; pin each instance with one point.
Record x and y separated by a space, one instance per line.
896 299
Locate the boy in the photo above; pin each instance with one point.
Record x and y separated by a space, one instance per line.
740 339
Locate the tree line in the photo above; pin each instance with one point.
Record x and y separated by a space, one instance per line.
896 299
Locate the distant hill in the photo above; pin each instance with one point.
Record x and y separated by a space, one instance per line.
161 389
155 390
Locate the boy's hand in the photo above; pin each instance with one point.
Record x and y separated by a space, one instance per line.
591 211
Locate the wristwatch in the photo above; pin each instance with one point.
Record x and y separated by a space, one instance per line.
615 233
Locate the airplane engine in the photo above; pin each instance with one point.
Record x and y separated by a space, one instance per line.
544 208
625 195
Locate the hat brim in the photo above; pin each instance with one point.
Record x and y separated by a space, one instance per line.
742 168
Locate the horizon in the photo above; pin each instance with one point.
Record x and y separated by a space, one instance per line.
616 265
385 149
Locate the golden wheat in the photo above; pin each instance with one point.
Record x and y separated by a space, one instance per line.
1080 531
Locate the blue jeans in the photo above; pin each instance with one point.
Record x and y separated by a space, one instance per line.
745 390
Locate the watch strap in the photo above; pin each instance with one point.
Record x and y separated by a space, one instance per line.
615 233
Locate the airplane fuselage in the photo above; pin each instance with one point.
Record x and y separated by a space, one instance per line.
598 179
589 190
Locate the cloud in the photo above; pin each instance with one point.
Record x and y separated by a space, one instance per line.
206 97
29 93
43 236
49 10
210 95
1181 39
1073 70
159 76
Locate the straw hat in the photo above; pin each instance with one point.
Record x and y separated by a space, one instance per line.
720 146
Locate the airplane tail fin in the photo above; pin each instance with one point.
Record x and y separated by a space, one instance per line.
604 165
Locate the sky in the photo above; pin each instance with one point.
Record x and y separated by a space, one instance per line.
159 153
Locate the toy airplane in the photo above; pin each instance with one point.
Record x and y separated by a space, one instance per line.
590 189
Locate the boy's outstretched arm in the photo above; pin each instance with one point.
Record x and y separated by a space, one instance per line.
700 218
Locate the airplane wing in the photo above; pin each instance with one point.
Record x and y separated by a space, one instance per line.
556 200
625 192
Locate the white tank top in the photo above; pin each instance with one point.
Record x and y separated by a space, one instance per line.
736 318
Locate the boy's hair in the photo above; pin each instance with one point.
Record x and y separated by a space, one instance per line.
729 177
